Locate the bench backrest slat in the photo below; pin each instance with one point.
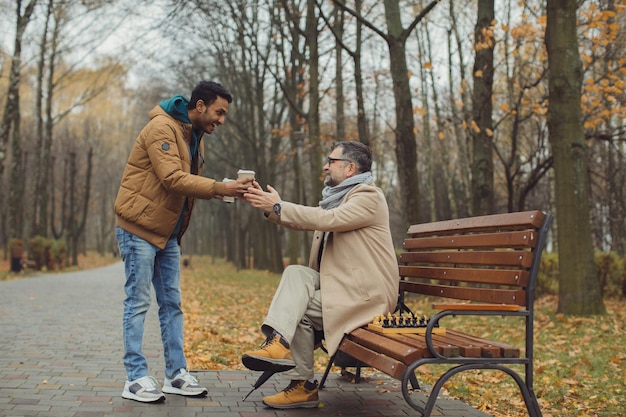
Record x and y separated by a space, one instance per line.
519 239
516 277
524 220
483 295
508 258
487 259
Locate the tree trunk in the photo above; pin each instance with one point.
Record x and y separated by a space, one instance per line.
361 118
617 197
81 214
427 160
16 185
340 123
406 147
460 184
441 183
10 123
482 125
46 185
313 115
615 169
579 287
39 173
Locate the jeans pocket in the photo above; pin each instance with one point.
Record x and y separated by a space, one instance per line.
121 235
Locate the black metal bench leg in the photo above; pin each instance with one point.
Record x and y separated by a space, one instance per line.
323 380
532 405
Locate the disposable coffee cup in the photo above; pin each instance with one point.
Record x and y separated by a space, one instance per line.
245 174
227 199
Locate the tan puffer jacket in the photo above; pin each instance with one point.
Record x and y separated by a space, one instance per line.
157 180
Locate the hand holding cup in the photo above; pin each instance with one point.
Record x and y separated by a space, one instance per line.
245 178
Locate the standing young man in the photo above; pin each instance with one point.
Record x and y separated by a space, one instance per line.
160 183
351 277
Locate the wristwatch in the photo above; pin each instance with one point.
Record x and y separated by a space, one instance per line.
277 208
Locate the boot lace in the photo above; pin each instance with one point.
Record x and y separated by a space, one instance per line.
270 341
292 386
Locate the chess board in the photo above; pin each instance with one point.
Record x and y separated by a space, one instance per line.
403 330
400 324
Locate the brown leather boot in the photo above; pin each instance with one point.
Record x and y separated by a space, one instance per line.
298 394
274 355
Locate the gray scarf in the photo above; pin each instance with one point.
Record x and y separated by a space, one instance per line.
333 196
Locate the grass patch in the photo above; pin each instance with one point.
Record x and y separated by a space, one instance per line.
580 363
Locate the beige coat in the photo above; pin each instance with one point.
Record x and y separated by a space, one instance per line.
359 270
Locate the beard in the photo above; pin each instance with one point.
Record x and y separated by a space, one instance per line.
329 181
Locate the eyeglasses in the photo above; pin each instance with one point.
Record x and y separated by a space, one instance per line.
330 160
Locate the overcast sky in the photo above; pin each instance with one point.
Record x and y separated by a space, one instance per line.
131 33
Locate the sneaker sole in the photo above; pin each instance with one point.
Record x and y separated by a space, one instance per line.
306 404
178 391
258 363
131 396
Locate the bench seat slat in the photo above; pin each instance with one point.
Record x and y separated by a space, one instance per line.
518 239
475 307
467 350
527 219
418 341
391 367
407 348
483 295
505 350
495 258
514 277
473 348
378 342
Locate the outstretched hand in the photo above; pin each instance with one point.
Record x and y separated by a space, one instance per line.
260 199
237 188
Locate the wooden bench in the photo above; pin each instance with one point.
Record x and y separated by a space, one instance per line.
479 266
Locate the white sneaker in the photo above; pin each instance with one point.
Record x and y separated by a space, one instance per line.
184 383
144 389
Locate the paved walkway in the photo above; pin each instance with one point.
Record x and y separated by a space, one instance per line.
60 355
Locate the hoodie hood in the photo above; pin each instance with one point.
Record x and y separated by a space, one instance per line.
177 108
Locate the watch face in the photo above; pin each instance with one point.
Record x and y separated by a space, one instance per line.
277 209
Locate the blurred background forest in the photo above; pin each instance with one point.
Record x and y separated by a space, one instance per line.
452 96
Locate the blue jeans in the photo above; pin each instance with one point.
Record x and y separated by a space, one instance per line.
145 263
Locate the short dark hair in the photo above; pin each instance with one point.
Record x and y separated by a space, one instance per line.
357 152
208 91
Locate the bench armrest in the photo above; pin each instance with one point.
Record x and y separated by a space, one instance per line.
473 307
467 309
